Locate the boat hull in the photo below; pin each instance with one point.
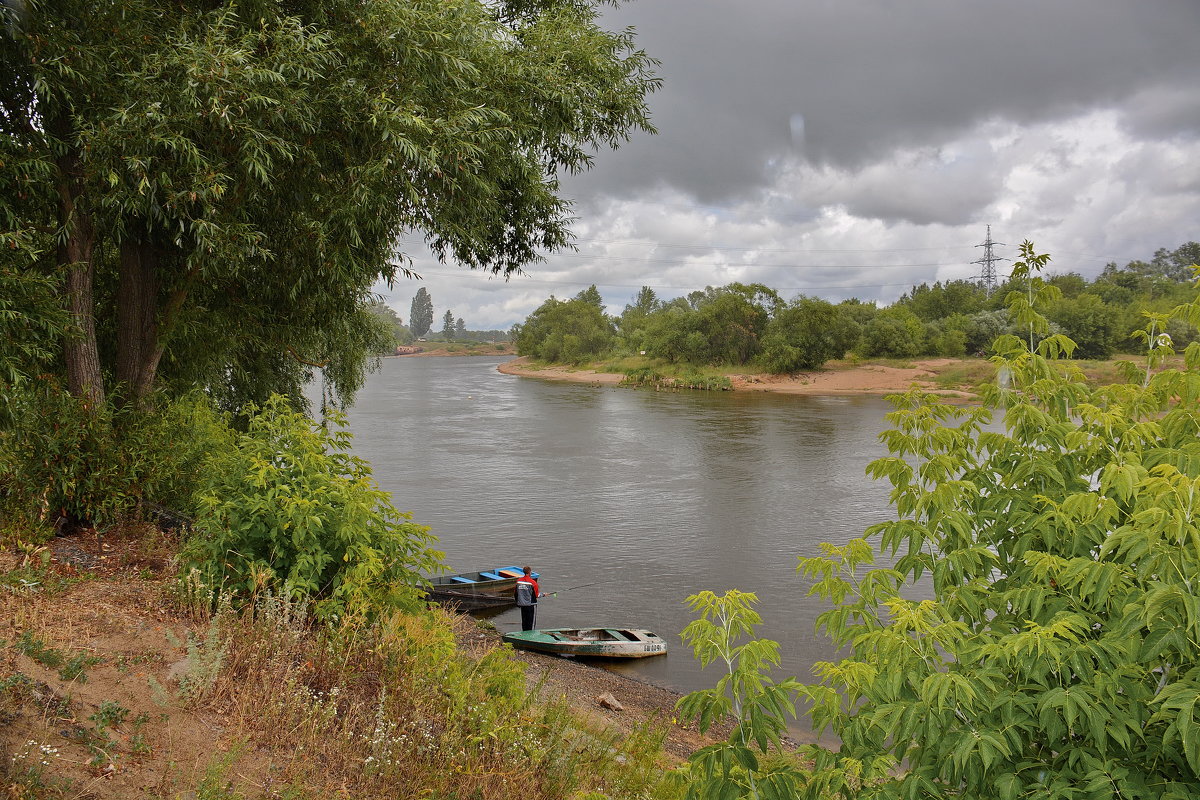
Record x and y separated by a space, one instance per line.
590 642
486 590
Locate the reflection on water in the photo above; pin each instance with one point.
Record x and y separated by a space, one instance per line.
646 496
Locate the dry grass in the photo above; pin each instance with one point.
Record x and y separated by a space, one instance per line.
173 702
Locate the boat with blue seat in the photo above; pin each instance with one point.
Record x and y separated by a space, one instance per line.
476 591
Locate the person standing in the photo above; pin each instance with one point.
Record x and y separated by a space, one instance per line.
527 593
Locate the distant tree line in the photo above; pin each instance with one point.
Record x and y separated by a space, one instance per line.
394 333
751 324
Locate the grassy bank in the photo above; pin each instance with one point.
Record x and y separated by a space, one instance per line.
113 684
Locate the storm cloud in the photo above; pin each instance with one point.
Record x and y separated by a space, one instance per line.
821 145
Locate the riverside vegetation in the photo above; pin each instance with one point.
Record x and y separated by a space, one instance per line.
196 201
1057 659
696 340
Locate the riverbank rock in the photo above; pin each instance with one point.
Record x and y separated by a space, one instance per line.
606 700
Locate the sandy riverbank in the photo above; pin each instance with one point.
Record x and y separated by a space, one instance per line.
865 379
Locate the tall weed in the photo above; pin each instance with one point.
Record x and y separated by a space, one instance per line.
395 708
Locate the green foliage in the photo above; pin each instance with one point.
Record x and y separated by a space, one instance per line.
62 457
805 334
1058 657
565 331
75 668
632 323
37 650
718 326
737 323
982 329
32 323
935 302
226 182
591 296
745 692
1090 322
393 332
894 332
110 714
289 509
420 316
1023 304
945 340
1158 343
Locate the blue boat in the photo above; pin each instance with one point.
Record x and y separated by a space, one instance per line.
484 590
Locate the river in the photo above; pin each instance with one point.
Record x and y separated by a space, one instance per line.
638 498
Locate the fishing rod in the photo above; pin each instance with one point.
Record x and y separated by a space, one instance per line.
573 588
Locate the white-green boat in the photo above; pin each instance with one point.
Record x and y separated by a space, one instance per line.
590 642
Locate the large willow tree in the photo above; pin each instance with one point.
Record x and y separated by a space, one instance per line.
217 185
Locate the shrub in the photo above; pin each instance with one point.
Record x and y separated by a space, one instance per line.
893 333
290 510
60 457
1054 659
1057 656
805 335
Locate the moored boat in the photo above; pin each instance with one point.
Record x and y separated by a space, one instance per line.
476 591
590 642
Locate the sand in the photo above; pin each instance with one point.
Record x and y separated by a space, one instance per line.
865 379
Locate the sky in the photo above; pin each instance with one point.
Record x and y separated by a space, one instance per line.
855 148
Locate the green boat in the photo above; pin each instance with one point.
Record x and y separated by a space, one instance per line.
590 642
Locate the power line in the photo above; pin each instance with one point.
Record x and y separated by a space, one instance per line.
528 279
677 262
769 249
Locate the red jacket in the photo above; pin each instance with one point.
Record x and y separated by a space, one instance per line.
528 579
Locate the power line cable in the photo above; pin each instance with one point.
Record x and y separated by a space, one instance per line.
693 287
770 249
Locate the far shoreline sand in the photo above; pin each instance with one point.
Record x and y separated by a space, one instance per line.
864 380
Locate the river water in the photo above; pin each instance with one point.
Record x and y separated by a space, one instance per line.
637 497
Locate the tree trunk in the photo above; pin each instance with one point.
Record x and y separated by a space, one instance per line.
82 356
138 350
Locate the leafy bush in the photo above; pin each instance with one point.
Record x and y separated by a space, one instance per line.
746 694
893 333
1093 325
565 331
805 335
289 509
61 457
1056 658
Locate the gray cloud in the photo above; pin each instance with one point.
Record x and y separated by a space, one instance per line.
856 147
868 77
